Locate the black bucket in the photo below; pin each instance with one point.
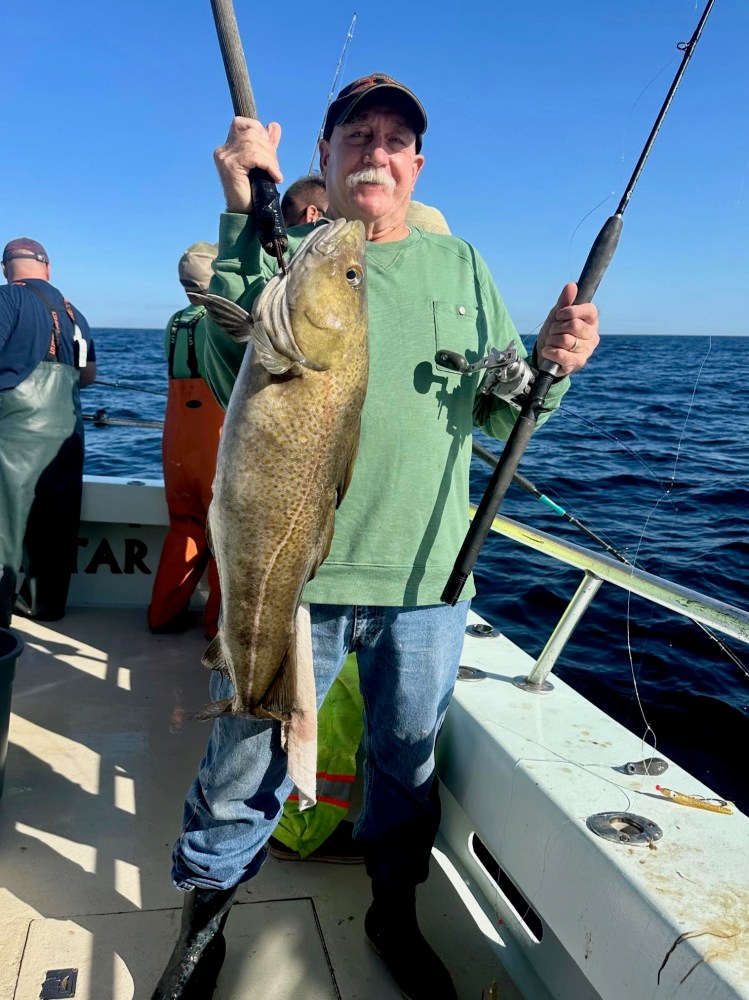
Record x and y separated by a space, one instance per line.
11 648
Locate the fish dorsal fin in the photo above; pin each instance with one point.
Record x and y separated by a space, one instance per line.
229 315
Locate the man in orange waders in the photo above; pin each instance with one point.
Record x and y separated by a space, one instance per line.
192 429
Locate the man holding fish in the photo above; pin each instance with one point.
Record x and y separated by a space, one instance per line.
343 354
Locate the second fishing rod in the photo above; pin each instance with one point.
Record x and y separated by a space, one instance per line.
510 378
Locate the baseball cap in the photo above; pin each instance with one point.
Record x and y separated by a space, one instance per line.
194 267
24 247
390 90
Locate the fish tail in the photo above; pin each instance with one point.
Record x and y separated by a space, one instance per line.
213 710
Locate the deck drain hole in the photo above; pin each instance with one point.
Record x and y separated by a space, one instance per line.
60 983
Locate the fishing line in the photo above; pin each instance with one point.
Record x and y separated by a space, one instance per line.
594 268
691 404
570 266
622 444
592 770
486 456
339 68
645 89
667 495
726 650
622 161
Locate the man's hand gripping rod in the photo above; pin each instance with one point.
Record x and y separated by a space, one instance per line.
265 203
533 389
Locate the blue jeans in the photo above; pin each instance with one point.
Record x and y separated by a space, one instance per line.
408 663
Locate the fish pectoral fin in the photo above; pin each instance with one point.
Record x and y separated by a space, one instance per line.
229 315
326 533
213 710
269 357
214 657
348 471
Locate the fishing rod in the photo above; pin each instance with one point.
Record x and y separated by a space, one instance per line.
525 484
339 67
100 418
510 377
133 388
265 203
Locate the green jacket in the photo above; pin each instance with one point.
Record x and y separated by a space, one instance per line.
405 516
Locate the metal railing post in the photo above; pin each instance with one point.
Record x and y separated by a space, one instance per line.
564 628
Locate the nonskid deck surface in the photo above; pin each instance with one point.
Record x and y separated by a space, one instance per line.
102 749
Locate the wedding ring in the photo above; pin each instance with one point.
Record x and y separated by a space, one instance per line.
575 346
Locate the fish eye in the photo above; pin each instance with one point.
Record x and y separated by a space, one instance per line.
354 276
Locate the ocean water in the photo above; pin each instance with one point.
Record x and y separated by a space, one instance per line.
650 450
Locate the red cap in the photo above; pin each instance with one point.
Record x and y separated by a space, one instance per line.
24 248
393 92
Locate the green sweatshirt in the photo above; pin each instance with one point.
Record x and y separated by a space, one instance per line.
404 518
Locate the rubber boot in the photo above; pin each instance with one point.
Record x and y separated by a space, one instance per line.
197 958
393 931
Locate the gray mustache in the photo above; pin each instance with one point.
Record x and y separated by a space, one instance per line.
371 175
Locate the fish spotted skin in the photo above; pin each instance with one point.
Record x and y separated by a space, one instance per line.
285 460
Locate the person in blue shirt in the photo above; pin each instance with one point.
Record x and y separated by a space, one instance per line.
46 355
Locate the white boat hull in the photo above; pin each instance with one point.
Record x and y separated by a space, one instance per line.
528 891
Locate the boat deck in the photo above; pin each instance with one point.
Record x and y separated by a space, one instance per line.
102 749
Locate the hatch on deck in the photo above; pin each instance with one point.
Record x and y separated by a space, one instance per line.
274 949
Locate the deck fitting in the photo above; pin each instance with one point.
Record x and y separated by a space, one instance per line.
625 828
482 630
470 674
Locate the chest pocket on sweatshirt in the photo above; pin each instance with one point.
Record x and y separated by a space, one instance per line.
456 330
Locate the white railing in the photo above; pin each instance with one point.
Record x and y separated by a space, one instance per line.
596 568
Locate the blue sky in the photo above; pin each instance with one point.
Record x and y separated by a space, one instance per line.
538 111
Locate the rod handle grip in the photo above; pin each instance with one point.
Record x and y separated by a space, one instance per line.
266 207
599 258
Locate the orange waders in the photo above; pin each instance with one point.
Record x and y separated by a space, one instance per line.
192 429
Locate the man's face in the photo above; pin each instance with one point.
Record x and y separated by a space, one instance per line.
379 139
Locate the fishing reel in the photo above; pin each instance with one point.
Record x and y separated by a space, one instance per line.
507 376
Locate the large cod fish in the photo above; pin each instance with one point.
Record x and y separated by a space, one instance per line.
285 461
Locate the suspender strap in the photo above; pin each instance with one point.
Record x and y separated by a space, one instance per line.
192 354
55 338
69 311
